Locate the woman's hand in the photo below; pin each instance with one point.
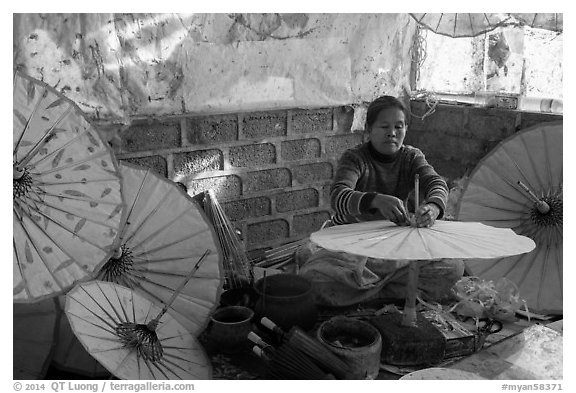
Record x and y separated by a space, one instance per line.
391 208
427 214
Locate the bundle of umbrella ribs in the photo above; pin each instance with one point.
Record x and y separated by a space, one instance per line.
296 355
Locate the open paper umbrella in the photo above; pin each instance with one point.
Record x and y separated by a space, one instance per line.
518 185
444 240
67 203
548 21
460 24
163 234
131 336
34 336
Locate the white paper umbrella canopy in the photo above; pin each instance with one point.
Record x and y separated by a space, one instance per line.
493 196
164 233
548 21
34 337
444 240
103 314
67 203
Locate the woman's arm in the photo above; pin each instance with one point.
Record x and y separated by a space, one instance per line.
344 198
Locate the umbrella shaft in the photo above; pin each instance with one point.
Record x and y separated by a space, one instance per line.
411 293
182 285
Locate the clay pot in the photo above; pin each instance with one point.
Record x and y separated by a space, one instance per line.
229 328
287 300
357 343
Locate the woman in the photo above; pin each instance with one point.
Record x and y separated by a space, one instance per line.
375 181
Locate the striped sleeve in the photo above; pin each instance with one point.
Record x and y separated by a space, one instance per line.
345 200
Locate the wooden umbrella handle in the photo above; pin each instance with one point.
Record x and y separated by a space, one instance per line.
409 318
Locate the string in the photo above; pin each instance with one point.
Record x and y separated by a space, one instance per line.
418 56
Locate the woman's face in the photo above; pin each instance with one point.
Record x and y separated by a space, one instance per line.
388 131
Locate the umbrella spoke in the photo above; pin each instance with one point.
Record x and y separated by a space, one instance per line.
24 283
159 231
47 136
482 203
75 198
143 223
133 204
27 125
42 184
47 270
60 225
98 326
543 272
510 182
61 168
36 209
176 365
548 166
522 171
93 313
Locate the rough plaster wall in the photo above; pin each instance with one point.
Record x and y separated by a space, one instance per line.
119 66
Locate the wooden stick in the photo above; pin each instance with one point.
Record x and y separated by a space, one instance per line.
153 323
409 318
416 192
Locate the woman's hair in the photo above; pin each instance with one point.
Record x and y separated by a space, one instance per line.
380 104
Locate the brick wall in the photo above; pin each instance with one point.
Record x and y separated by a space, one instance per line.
455 138
271 171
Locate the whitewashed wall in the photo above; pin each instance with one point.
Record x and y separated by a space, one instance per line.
121 66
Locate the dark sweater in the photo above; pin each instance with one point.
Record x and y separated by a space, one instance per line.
362 172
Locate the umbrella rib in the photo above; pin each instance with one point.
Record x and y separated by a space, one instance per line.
446 237
34 151
92 312
19 264
134 247
548 163
56 280
345 232
543 272
535 170
73 164
175 364
455 24
41 184
96 325
63 227
471 25
151 214
438 24
528 267
404 237
26 127
134 202
499 173
158 364
75 198
139 260
38 210
154 295
493 207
